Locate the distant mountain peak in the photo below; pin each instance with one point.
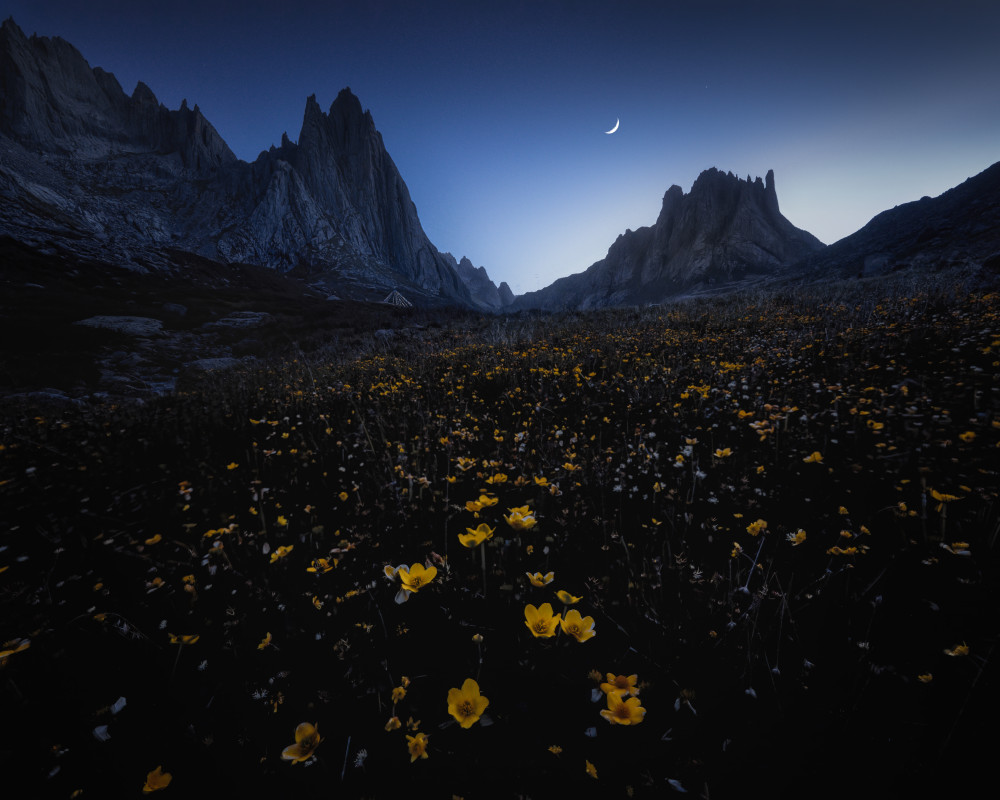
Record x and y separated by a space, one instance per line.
724 230
484 292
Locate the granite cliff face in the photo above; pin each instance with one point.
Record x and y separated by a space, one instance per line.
124 179
725 230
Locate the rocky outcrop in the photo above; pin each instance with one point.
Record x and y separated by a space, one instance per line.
724 231
958 229
485 294
52 99
124 179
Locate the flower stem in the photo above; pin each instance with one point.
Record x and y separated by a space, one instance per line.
180 649
482 552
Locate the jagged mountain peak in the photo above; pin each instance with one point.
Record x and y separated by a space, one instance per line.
485 293
347 105
54 100
132 178
724 230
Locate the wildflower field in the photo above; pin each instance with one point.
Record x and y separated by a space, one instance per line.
725 547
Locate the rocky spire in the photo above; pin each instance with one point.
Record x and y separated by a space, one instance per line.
723 230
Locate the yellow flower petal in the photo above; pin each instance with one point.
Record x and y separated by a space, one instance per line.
307 739
157 779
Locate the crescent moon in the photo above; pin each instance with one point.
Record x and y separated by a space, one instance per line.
617 123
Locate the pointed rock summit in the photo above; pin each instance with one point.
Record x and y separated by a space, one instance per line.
725 230
485 294
128 180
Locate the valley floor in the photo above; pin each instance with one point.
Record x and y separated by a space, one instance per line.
779 512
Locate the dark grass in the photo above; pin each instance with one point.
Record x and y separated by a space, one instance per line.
803 684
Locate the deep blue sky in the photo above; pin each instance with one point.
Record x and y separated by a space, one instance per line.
495 112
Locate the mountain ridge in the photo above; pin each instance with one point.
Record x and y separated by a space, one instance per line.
127 179
960 228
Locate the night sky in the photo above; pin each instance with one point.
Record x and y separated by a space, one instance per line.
495 112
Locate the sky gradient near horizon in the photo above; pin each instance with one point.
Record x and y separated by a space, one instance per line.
495 113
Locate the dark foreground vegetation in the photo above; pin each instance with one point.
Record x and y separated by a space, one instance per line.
780 514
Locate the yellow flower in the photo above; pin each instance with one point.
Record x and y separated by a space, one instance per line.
797 538
570 467
476 536
11 647
967 437
307 739
154 539
623 712
498 478
541 480
232 465
521 518
156 780
184 638
398 694
321 565
473 506
540 621
843 511
265 642
958 650
416 576
591 770
281 552
537 579
282 521
466 705
754 528
815 457
621 684
555 749
486 501
417 745
317 602
567 598
723 453
465 464
943 498
580 628
343 496
393 724
925 678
